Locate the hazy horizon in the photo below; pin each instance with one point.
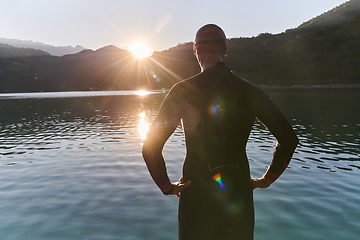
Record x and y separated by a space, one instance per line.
161 25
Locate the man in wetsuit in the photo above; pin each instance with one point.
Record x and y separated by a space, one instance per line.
217 110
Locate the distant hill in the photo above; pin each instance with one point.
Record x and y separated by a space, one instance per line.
322 51
7 51
108 68
55 51
336 16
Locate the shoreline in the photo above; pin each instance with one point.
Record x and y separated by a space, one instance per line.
310 86
339 86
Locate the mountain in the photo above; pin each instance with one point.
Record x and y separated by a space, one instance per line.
108 68
7 51
322 51
55 51
335 16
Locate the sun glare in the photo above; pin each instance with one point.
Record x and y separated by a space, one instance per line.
141 93
143 126
140 50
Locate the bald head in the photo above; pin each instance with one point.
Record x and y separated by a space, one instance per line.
210 38
209 46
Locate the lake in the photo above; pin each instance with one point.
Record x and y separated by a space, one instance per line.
71 167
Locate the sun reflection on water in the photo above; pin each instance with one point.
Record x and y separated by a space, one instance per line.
143 126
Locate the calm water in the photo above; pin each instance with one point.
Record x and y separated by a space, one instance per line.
71 168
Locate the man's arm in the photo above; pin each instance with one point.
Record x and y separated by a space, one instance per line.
277 124
161 129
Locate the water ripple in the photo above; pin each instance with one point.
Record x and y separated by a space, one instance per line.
79 161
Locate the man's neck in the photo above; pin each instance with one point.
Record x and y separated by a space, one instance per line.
205 65
209 60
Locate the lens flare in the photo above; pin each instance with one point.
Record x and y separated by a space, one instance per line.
217 178
213 109
162 21
232 204
235 207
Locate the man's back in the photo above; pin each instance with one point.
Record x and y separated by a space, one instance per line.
217 110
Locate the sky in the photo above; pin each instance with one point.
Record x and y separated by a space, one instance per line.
159 23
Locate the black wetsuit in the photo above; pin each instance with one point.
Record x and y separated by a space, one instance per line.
217 110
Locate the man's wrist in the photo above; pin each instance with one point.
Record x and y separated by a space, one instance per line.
267 178
170 191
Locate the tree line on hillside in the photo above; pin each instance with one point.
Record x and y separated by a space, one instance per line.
325 54
322 51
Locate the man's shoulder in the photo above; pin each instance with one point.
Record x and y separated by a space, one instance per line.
221 77
186 83
190 80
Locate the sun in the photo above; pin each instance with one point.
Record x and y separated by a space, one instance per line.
141 93
140 50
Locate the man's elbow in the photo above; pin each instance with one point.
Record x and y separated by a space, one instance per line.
293 141
150 151
289 142
145 151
